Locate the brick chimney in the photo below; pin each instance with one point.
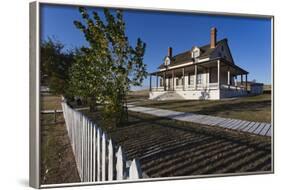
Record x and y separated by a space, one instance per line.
213 37
170 52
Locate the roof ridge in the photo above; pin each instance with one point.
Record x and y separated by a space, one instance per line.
224 39
186 55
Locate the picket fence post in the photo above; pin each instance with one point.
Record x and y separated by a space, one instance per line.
94 151
103 155
135 170
110 160
98 155
87 149
120 165
91 151
83 150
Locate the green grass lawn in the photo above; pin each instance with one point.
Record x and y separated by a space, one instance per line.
169 148
164 147
252 108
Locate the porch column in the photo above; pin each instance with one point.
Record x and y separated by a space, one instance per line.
164 81
156 81
228 78
207 77
246 81
188 80
241 80
150 82
183 79
235 81
219 74
195 77
210 73
173 80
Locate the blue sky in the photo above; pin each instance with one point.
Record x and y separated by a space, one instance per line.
249 38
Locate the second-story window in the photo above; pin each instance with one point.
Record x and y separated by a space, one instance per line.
167 61
195 52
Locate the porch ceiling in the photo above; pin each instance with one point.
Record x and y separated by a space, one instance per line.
203 67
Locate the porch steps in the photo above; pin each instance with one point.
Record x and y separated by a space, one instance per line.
170 95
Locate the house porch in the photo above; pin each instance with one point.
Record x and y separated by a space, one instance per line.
218 78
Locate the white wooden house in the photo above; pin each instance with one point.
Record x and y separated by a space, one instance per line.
206 72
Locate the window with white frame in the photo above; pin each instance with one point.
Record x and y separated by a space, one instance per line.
195 52
167 61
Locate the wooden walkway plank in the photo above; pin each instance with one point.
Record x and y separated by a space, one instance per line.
215 120
206 120
243 125
227 123
248 127
268 132
265 129
254 127
188 118
224 122
219 121
195 118
211 120
239 124
230 123
258 128
235 124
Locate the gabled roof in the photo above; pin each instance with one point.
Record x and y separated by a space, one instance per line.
184 57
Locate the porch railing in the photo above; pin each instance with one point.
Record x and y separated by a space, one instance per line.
211 86
224 86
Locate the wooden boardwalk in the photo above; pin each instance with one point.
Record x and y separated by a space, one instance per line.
258 128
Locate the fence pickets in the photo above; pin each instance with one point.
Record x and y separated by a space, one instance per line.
96 156
110 160
120 164
103 156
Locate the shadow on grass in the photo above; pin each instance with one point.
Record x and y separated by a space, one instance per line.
235 107
260 148
257 142
167 147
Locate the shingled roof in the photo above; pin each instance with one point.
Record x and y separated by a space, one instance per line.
184 57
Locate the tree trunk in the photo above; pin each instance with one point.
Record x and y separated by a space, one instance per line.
123 111
93 104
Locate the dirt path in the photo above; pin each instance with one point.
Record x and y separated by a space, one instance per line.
57 160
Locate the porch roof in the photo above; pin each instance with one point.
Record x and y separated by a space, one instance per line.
206 64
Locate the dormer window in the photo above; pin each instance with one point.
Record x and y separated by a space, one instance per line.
195 52
167 61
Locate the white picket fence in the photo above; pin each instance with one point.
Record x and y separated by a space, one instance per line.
97 158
